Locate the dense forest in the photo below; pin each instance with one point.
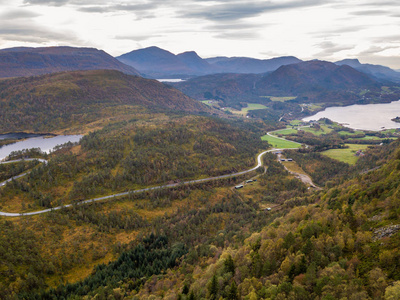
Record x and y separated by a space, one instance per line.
131 155
203 241
276 237
73 100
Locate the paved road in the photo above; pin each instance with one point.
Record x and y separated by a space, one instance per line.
21 175
6 214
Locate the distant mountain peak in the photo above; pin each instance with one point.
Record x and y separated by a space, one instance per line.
158 63
380 72
193 53
28 61
349 61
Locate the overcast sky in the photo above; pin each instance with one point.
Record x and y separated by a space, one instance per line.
309 29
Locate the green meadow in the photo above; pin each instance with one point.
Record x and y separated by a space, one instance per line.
346 155
280 143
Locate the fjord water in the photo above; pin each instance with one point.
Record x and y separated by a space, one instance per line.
373 117
45 144
170 80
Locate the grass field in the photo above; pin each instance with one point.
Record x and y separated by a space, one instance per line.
281 99
314 107
245 110
345 155
253 106
367 137
324 130
279 143
350 133
296 122
286 131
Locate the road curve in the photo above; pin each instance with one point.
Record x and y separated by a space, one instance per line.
6 214
280 138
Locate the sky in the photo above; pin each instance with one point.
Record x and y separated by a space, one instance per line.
310 29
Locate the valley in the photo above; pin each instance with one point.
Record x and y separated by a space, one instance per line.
166 197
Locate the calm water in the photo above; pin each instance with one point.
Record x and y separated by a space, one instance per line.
365 117
170 80
45 144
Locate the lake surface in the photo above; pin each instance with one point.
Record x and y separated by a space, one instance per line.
170 80
45 144
373 117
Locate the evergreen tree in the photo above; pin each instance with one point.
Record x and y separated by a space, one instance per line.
233 293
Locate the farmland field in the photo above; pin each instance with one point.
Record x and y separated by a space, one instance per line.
346 155
250 106
280 143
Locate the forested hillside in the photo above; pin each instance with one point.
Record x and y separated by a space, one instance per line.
68 100
131 155
204 241
305 82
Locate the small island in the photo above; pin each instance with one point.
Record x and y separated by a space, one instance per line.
397 119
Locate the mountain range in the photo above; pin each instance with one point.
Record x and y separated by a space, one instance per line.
231 80
380 72
158 63
22 61
311 81
155 62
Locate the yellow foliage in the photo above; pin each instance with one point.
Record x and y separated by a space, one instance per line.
393 292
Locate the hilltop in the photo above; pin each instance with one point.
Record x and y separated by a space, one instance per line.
380 72
250 65
312 81
73 99
24 61
317 80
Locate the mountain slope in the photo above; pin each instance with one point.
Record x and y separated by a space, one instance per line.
15 62
220 87
315 76
313 81
61 100
380 72
195 62
250 65
155 62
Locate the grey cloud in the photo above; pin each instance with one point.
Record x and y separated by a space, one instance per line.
381 3
370 13
18 14
46 2
329 48
241 10
234 26
119 7
94 9
377 49
31 32
338 31
136 38
237 35
387 39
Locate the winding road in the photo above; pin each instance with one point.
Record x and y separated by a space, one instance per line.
7 214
